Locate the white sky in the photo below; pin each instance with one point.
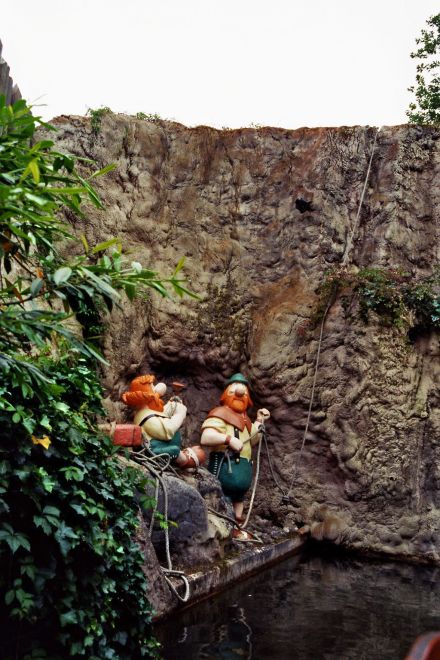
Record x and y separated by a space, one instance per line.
287 63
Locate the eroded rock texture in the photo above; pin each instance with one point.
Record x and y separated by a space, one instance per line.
200 535
261 215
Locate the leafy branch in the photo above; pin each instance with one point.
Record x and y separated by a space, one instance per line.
425 109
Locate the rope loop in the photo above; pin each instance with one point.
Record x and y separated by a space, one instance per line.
156 465
180 574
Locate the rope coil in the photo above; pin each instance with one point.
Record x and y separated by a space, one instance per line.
156 465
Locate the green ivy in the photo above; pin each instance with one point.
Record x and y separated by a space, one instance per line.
71 578
395 296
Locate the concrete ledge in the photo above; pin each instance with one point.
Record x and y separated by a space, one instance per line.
247 560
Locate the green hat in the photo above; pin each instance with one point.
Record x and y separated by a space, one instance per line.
238 378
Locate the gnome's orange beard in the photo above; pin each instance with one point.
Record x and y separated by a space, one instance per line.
237 403
141 399
156 404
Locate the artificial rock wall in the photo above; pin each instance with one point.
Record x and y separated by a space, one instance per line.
230 201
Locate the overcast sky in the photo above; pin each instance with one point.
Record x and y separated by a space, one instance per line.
287 63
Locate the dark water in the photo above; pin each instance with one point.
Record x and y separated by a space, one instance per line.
313 607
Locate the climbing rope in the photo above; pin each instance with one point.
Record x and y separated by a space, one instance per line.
358 214
269 459
156 465
286 495
257 474
233 521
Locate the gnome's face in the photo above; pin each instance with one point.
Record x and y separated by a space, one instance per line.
157 402
236 396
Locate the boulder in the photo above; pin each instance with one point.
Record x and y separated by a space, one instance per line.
196 534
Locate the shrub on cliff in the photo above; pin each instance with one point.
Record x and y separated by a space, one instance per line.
71 580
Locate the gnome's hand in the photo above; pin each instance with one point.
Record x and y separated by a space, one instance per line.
235 444
262 415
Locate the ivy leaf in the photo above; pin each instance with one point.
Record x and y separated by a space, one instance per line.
52 511
79 509
63 407
73 473
15 540
65 535
41 521
69 617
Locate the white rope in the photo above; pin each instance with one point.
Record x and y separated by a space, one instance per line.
361 201
257 474
329 304
153 512
168 572
182 576
312 397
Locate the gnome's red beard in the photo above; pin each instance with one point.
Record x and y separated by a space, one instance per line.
237 403
157 403
142 398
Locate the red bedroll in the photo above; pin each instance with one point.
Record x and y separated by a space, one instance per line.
127 435
426 647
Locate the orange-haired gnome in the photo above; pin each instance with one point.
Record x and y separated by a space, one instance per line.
230 434
161 422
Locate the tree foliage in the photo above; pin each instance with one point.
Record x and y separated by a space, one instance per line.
71 580
426 107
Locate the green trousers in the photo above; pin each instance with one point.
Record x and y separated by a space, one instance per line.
171 447
234 475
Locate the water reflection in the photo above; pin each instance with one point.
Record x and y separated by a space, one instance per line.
330 608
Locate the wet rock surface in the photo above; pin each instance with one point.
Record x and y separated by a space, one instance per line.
261 215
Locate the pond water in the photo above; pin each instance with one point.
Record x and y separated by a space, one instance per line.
311 607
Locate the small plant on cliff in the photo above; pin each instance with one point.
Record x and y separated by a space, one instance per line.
96 118
154 117
426 107
71 583
396 297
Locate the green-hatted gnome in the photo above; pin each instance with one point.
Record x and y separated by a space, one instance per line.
230 435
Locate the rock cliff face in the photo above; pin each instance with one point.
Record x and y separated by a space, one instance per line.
261 215
7 87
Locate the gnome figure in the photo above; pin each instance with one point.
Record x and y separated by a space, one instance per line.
230 435
161 422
